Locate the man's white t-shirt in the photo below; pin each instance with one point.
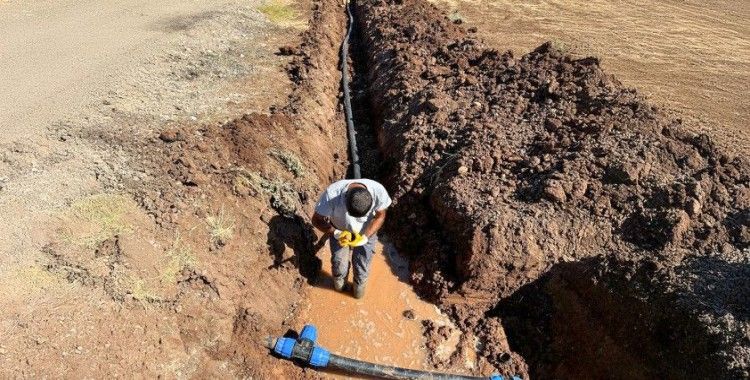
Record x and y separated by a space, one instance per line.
332 204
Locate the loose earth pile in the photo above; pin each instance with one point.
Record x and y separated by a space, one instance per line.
556 214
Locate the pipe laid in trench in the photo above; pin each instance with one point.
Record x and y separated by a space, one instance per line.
305 350
356 172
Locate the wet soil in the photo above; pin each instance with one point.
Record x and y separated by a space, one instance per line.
386 326
515 176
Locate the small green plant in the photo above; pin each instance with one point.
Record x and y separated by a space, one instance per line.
561 45
278 11
290 161
221 227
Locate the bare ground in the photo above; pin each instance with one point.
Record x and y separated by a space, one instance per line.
89 278
148 230
692 57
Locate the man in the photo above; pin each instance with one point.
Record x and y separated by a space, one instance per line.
351 212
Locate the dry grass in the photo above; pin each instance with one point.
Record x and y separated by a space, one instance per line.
279 12
94 219
180 257
140 291
455 16
221 227
283 195
290 161
34 278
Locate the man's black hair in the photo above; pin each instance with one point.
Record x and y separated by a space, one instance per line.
358 201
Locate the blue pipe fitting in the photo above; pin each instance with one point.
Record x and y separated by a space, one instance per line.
309 332
284 347
319 357
305 350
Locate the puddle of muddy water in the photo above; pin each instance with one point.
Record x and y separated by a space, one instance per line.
375 327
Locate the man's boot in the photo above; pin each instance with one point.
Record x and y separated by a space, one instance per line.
338 284
359 291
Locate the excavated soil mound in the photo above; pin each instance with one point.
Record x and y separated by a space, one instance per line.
555 213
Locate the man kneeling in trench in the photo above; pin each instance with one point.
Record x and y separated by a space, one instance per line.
351 212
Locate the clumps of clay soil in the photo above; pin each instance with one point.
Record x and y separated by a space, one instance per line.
554 212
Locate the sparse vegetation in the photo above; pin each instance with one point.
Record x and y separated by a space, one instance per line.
561 45
290 161
278 11
221 227
140 291
35 278
283 195
97 218
455 16
180 257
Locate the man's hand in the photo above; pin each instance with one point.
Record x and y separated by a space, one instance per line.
344 237
358 240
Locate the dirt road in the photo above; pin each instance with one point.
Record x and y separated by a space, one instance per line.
60 56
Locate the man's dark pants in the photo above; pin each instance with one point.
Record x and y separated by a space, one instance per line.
360 258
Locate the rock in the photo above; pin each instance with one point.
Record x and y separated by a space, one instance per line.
681 225
432 105
170 136
409 314
555 192
624 173
579 188
553 124
462 170
287 50
693 207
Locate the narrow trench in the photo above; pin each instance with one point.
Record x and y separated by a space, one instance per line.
387 325
364 119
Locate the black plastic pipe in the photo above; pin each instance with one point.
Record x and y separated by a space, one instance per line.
304 349
356 172
389 372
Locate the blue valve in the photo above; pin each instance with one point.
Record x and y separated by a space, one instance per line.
309 332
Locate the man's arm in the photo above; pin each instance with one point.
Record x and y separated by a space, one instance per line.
377 222
322 223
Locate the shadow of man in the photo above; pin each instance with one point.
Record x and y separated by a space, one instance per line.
292 242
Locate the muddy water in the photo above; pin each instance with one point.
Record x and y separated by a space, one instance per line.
373 328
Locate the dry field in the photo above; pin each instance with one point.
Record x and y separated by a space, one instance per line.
690 56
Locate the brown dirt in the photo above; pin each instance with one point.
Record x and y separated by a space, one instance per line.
568 227
542 180
92 285
237 196
691 56
266 172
